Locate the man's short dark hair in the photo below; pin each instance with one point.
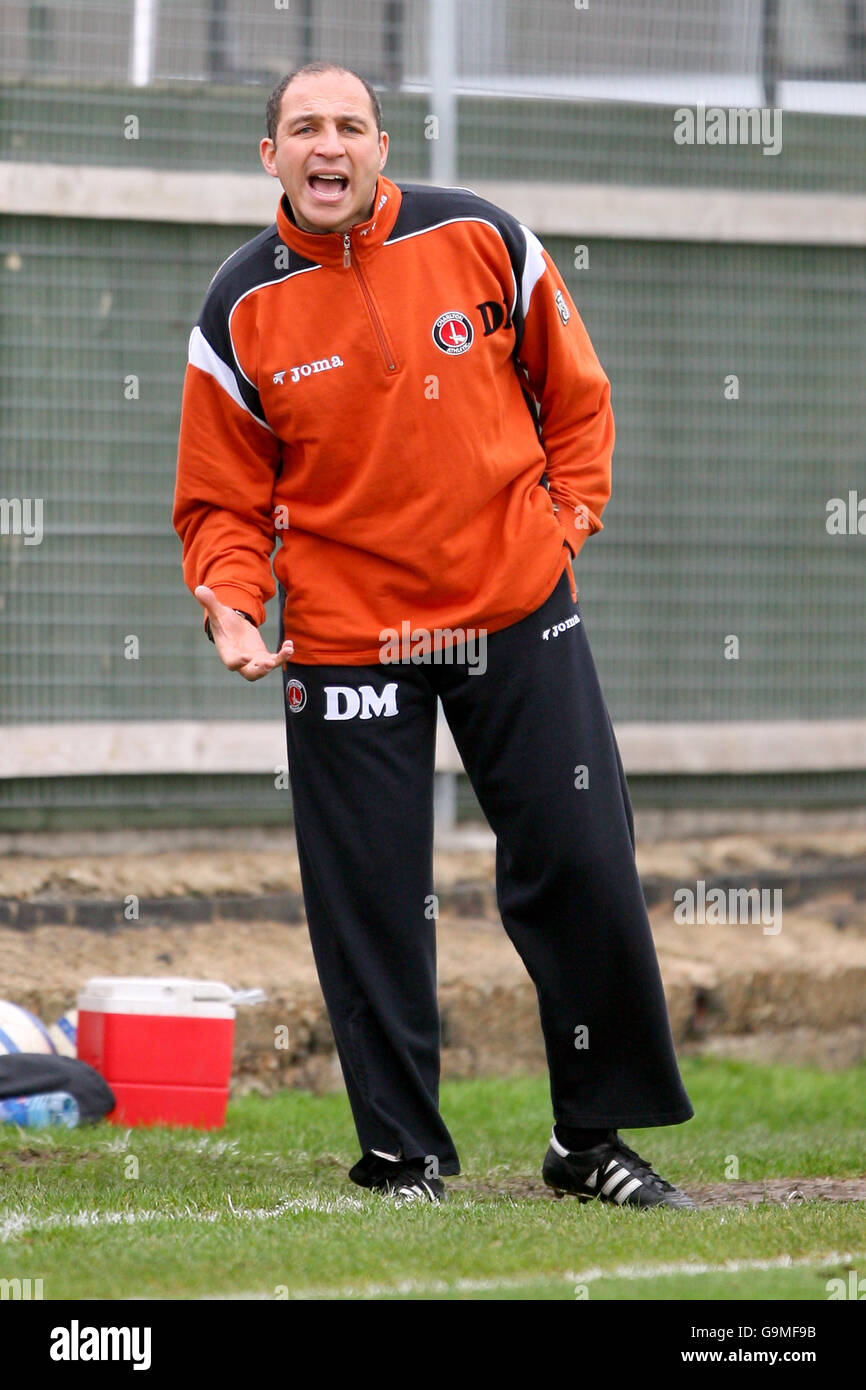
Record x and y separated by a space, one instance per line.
275 100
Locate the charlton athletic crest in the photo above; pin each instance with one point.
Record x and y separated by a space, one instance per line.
296 696
453 333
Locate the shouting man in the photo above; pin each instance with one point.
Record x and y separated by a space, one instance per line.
384 379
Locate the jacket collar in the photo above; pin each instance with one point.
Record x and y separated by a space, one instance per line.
328 248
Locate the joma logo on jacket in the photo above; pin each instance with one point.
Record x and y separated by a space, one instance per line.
322 364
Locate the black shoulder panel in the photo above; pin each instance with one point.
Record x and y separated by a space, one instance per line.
424 208
264 260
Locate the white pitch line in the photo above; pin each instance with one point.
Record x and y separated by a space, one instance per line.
14 1223
586 1276
422 1286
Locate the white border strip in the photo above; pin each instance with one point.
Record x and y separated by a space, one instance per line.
551 209
116 748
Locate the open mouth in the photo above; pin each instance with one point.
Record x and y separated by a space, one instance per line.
328 188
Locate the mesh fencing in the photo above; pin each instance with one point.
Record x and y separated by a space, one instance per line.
529 45
717 525
556 92
557 142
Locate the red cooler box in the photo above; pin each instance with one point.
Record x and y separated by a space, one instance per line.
163 1045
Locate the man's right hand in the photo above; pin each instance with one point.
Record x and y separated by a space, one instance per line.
238 643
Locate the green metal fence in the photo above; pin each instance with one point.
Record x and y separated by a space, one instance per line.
737 374
717 523
521 138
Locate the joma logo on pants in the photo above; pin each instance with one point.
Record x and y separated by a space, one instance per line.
560 627
345 702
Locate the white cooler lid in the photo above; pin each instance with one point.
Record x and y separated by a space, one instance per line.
142 994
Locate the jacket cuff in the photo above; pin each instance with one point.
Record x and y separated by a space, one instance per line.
577 524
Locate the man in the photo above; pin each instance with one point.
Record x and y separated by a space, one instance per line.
382 379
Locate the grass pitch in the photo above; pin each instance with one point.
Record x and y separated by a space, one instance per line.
263 1208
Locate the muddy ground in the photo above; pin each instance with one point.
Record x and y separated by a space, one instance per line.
219 911
773 1191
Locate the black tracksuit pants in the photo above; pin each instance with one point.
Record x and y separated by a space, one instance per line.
361 770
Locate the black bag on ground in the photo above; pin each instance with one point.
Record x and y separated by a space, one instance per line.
31 1073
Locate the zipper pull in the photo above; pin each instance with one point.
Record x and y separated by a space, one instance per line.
347 250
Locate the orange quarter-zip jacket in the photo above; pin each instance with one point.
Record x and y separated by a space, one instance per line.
384 403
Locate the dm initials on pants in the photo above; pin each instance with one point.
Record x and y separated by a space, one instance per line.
345 702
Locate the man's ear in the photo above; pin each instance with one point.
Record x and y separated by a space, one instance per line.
383 149
267 153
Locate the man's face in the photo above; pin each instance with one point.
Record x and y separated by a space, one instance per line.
327 153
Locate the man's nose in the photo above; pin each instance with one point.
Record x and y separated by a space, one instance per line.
330 142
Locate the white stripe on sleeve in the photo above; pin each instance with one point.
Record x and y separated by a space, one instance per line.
533 269
202 355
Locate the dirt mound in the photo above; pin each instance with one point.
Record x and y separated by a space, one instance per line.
775 1191
791 988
